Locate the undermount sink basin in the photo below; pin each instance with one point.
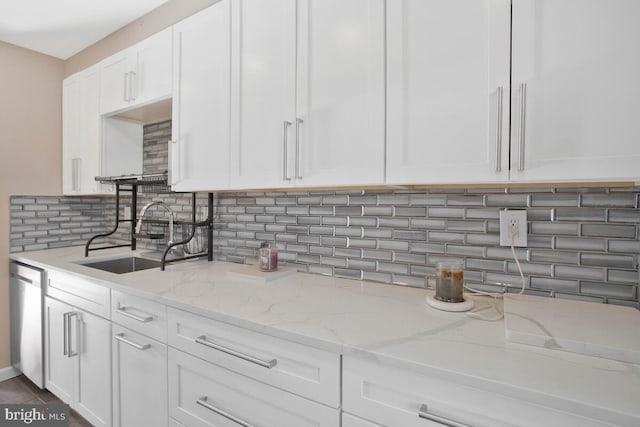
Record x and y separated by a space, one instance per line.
123 265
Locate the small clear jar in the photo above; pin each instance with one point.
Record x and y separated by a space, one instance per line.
449 281
267 258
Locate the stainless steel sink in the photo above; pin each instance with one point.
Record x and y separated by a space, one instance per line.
123 265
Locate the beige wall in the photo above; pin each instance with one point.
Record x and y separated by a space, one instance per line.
156 20
31 121
31 138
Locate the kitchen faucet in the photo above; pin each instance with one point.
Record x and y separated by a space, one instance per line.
164 205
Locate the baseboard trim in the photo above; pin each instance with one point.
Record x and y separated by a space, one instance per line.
8 373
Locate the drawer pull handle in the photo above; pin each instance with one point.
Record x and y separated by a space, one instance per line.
120 337
143 319
424 413
21 278
264 363
203 401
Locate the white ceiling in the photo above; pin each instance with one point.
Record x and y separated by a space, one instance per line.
62 28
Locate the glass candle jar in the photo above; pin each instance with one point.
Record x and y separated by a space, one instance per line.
449 281
267 258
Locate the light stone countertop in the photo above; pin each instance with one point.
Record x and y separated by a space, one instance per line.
391 324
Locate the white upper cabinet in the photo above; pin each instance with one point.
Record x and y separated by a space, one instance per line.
575 93
263 87
81 132
340 92
138 75
307 93
448 91
199 151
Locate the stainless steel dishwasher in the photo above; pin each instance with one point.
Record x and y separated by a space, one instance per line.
27 349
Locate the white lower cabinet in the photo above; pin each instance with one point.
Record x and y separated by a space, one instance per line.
139 380
204 394
392 396
351 421
308 372
174 423
77 360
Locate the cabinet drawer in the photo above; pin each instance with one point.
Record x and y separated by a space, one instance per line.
391 396
204 394
351 421
79 292
306 371
140 314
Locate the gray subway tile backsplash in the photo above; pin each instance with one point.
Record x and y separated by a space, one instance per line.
610 230
582 242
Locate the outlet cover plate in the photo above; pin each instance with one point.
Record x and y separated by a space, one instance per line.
520 217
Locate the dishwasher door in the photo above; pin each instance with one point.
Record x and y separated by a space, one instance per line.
27 349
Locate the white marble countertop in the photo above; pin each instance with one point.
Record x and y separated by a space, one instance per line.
389 323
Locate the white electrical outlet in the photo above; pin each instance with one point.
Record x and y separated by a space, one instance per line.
513 222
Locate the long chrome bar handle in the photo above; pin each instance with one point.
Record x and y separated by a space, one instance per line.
144 319
120 337
70 352
285 160
21 278
298 123
125 97
204 402
65 334
499 95
264 363
424 414
133 86
522 129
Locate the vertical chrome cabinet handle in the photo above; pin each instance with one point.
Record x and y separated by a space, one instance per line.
133 85
204 402
65 334
144 319
70 353
298 123
120 337
499 95
264 363
174 159
125 97
76 173
522 129
285 161
424 414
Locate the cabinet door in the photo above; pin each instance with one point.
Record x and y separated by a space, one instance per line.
115 81
93 379
448 91
71 153
199 152
575 95
139 380
152 76
263 93
81 132
341 92
59 366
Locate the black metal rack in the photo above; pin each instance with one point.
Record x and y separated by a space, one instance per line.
152 183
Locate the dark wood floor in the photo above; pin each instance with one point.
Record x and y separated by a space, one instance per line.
21 390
